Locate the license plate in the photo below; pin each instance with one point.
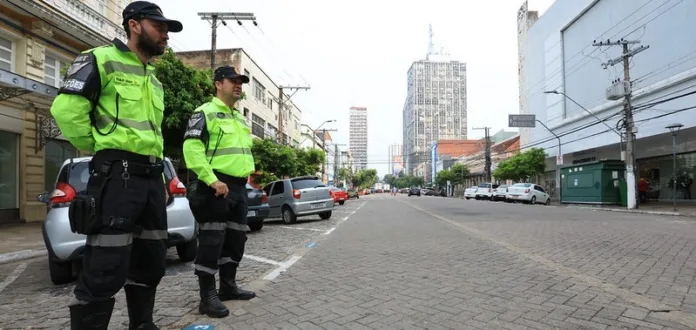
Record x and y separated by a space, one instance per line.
251 214
341 199
318 205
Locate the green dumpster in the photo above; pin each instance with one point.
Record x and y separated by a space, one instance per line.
623 189
593 183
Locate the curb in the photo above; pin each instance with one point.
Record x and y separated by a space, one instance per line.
668 213
6 258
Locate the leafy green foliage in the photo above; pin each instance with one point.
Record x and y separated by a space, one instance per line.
345 174
522 166
185 89
365 178
455 175
275 161
407 181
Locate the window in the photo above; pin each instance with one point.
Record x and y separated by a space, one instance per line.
9 170
52 70
259 91
5 54
57 151
101 7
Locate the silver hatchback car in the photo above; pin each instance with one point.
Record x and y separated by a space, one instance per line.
65 247
301 196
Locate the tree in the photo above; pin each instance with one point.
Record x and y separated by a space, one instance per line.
390 179
345 174
407 181
522 166
309 161
365 178
185 89
274 161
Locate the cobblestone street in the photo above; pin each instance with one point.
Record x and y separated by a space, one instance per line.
425 263
28 299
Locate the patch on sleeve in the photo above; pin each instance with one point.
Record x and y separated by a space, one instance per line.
82 78
196 126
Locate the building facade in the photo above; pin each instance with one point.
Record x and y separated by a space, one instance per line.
435 107
525 20
261 107
561 56
38 40
357 138
396 159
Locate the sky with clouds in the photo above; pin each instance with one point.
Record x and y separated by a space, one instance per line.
358 53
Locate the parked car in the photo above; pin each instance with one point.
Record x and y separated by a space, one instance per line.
500 193
485 190
65 247
339 195
414 191
353 193
470 192
298 197
528 193
258 209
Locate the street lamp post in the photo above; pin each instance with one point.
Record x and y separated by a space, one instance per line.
558 164
674 128
314 132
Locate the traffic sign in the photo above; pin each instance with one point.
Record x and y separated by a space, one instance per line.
521 120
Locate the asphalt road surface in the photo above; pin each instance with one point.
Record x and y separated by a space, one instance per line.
403 262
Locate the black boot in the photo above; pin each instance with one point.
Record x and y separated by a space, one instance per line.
228 285
210 303
141 303
92 316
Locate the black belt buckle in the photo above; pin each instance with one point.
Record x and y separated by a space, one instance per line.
153 160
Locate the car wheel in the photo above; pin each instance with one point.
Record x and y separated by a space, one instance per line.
533 201
468 198
256 226
325 215
187 251
341 202
548 201
288 215
61 272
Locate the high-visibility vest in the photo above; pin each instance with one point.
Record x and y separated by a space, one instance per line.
228 145
129 112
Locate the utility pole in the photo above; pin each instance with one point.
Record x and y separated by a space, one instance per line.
625 90
488 152
281 106
217 18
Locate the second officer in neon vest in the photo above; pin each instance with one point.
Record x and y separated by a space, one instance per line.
217 148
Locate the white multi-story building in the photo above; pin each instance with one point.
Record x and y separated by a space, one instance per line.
261 107
525 19
435 107
358 136
38 40
560 56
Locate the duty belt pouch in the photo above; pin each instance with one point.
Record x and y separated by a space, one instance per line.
84 213
196 196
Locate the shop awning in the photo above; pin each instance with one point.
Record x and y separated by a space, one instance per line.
31 93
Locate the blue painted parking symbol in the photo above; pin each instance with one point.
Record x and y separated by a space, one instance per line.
200 327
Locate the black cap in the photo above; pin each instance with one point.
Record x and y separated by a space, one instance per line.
229 72
138 10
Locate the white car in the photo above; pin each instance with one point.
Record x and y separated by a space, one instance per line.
470 192
528 193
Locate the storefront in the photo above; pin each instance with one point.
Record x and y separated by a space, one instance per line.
9 175
659 172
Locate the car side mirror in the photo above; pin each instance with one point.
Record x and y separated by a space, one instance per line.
43 198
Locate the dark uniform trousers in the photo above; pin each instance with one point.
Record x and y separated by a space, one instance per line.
131 248
222 226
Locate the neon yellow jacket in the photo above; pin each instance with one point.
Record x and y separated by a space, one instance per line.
127 98
218 138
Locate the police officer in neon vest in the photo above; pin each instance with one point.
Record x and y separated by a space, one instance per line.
217 148
110 103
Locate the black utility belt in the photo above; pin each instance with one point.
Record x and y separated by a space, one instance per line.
228 179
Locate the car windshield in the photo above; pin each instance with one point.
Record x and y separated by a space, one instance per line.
525 185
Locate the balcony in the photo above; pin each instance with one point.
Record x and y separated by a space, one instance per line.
74 18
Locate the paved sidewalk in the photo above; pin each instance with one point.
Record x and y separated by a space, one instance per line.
391 266
20 237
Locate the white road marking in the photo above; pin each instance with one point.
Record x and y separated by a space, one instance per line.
329 231
262 259
21 255
13 276
282 268
299 228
